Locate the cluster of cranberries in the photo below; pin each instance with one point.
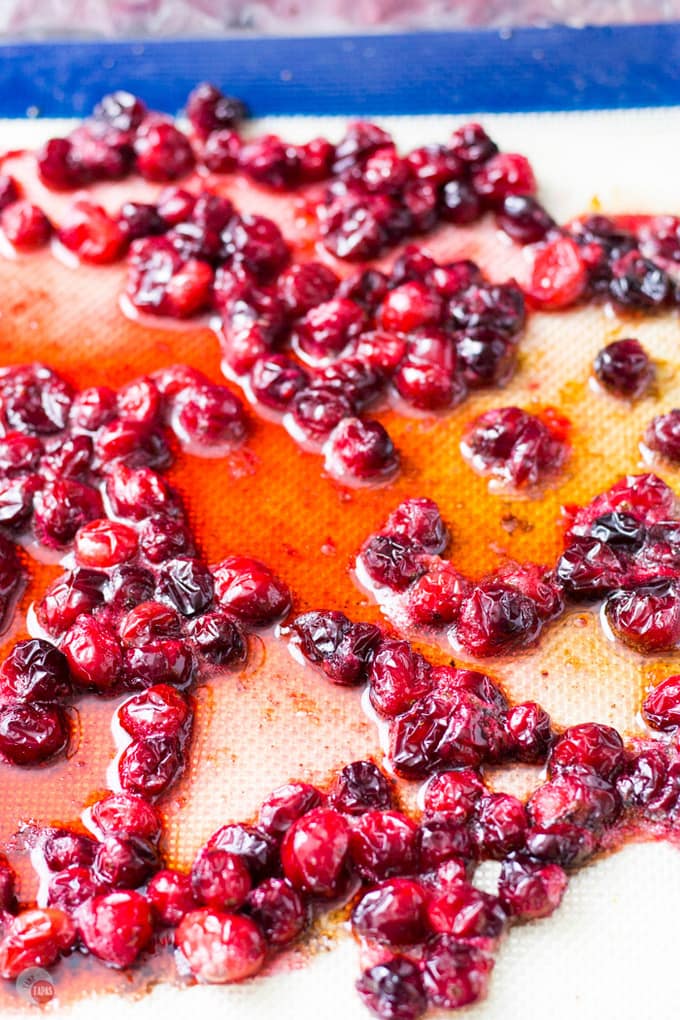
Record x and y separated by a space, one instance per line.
515 448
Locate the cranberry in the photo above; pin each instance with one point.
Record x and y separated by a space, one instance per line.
123 862
159 661
121 111
61 508
341 648
314 852
505 173
140 219
650 782
486 357
64 849
441 838
453 794
513 446
558 274
495 620
530 729
34 399
93 407
25 225
529 889
77 592
127 815
254 847
160 282
393 990
93 652
436 597
410 306
220 879
218 947
278 910
661 707
19 454
71 887
318 409
647 619
269 161
624 368
218 639
91 233
105 543
148 767
398 677
249 590
315 159
71 459
8 900
366 287
524 219
500 825
663 435
360 787
221 151
159 710
391 562
472 145
31 734
34 671
459 203
171 896
10 191
137 493
382 844
285 805
210 110
451 682
129 588
455 973
187 583
326 329
276 379
58 165
162 538
499 307
585 800
35 938
590 568
211 414
466 912
637 282
361 382
427 378
306 285
117 927
257 243
162 152
561 842
361 450
589 746
392 912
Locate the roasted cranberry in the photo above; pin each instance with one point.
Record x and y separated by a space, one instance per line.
499 825
249 590
71 887
506 173
61 508
318 409
589 746
427 377
590 568
360 787
218 947
392 912
454 973
131 587
341 648
25 225
558 274
33 671
116 927
123 862
58 165
315 159
121 111
453 794
8 900
662 435
512 446
314 852
218 639
187 583
382 844
9 191
561 842
209 110
162 538
306 285
436 597
495 620
125 814
529 889
647 619
524 219
285 805
93 407
465 912
327 328
252 845
360 450
220 879
148 767
393 990
637 282
77 592
137 493
35 938
158 661
269 161
30 734
486 357
62 848
451 682
441 838
257 243
650 782
19 454
162 152
221 151
211 414
171 896
624 369
34 399
147 620
276 379
105 543
583 799
278 910
531 731
459 203
392 562
661 707
160 282
91 233
140 219
472 145
157 711
93 652
398 677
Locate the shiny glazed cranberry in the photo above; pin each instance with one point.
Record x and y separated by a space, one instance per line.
472 145
120 111
317 409
221 151
148 767
25 225
465 912
436 597
249 590
495 620
529 889
558 275
218 947
342 649
137 493
392 562
662 435
140 219
441 838
34 399
392 912
58 165
208 110
360 787
382 844
398 677
530 729
125 814
157 711
647 619
419 521
171 896
36 938
561 842
187 583
512 445
31 734
582 799
304 286
314 852
71 887
276 379
33 671
661 707
360 450
623 367
589 746
269 161
326 329
93 652
285 805
220 879
455 973
163 537
124 862
218 639
117 927
90 233
157 662
637 282
105 543
162 152
211 414
524 219
278 911
453 793
10 191
61 508
506 173
393 990
64 849
77 592
500 824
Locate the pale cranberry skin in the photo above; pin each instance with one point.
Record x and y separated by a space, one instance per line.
661 707
285 805
94 653
126 814
36 938
105 543
171 896
591 746
383 844
393 990
529 889
278 910
220 948
314 852
117 927
453 793
250 591
455 973
392 912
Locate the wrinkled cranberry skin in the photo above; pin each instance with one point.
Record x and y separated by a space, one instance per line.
582 799
360 787
314 852
393 990
499 826
35 938
31 734
531 731
158 711
360 450
589 746
126 815
34 670
342 649
220 947
647 619
254 847
392 562
304 286
35 400
530 889
117 927
249 590
441 838
124 862
285 805
187 583
662 435
623 367
276 380
71 887
661 707
220 879
148 767
454 973
512 445
420 522
93 652
453 793
63 849
25 225
218 639
435 599
162 538
278 910
61 508
636 282
495 620
461 910
398 677
382 844
393 912
561 842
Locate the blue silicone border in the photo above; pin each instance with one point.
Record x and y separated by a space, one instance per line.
447 72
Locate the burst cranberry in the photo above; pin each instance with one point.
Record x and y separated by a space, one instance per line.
137 493
524 219
160 282
650 782
662 435
436 597
647 619
451 682
58 165
636 282
148 767
30 734
398 677
162 538
91 233
117 927
105 543
64 849
314 852
210 110
77 592
500 825
220 879
513 446
529 889
249 590
465 912
159 661
278 910
392 912
25 225
187 583
125 814
62 507
16 501
495 620
276 379
360 450
589 746
561 842
558 275
360 787
218 639
35 938
71 887
318 409
130 587
455 973
661 707
453 794
530 729
590 568
162 152
328 327
304 286
505 173
171 896
537 583
342 649
134 443
93 652
419 520
585 800
218 947
393 990
34 671
382 844
391 562
211 414
285 805
34 399
160 710
123 862
624 368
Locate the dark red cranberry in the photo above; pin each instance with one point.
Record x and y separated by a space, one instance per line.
524 219
647 619
451 682
25 225
79 591
561 842
454 973
529 889
16 500
453 793
148 767
537 583
127 815
499 825
134 443
187 583
31 734
513 446
392 562
276 379
441 838
459 203
305 285
649 782
436 598
124 862
558 274
485 356
129 587
63 506
285 805
360 450
162 152
530 729
34 399
158 711
10 191
392 912
171 896
318 409
19 454
93 407
219 879
254 847
624 368
583 799
8 900
506 173
117 927
315 159
427 377
589 746
328 327
220 947
590 568
360 140
360 787
383 844
662 435
661 707
398 677
499 307
140 219
221 151
342 649
461 910
314 852
250 591
121 111
278 910
366 287
269 161
472 145
71 887
137 493
34 671
361 383
211 414
58 165
162 538
393 990
218 639
419 520
208 110
495 620
159 661
62 848
161 282
257 243
637 282
93 652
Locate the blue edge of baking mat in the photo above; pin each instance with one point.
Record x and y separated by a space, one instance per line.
529 69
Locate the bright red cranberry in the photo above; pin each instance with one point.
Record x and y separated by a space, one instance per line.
31 734
105 543
512 445
117 927
360 450
171 896
36 938
137 493
558 275
61 508
62 848
34 671
94 654
392 912
531 731
392 562
211 414
589 746
379 351
162 538
218 639
285 805
71 887
453 793
250 591
318 409
208 110
150 766
455 973
661 707
220 879
465 912
276 379
623 367
158 710
328 327
496 620
16 501
647 619
342 649
441 838
221 151
524 219
529 889
537 583
314 852
77 592
382 844
410 306
305 285
162 152
19 454
561 842
636 282
499 825
360 787
278 910
220 948
427 378
398 677
124 862
583 799
419 520
91 233
436 598
58 165
25 225
125 814
134 443
506 173
662 435
393 990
